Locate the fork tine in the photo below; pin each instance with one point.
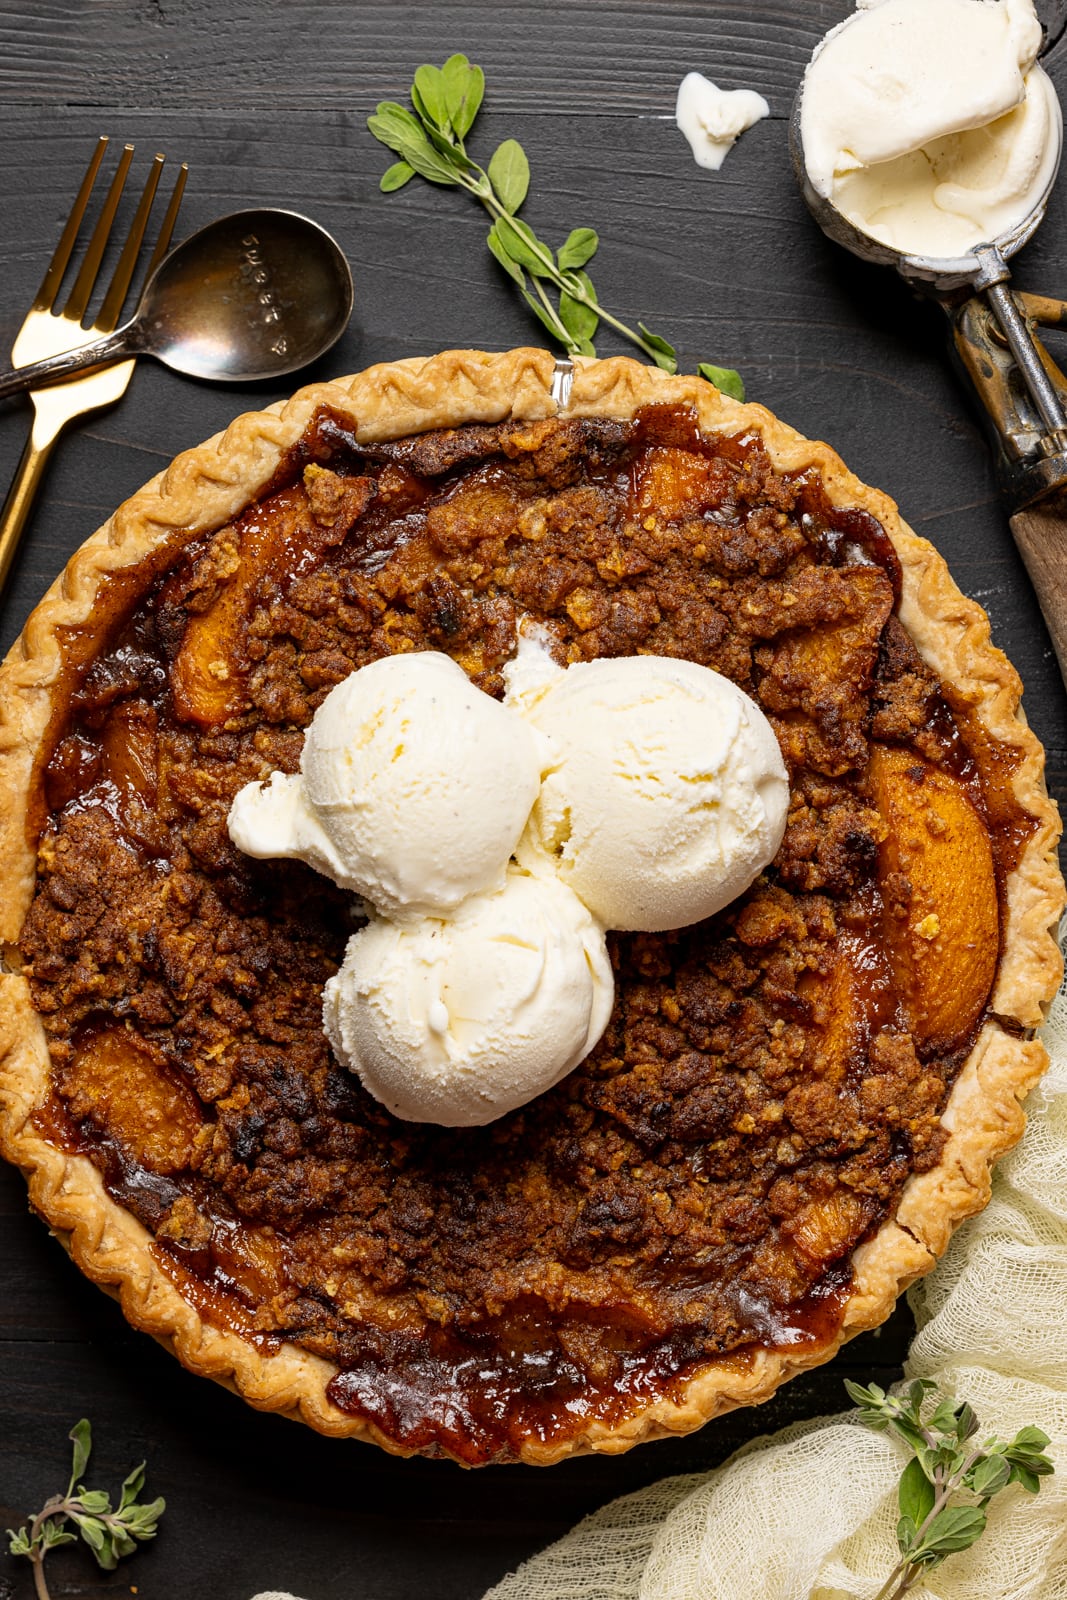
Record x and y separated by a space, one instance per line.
74 310
52 279
111 309
171 217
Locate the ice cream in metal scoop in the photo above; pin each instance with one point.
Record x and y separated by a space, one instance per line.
930 128
927 137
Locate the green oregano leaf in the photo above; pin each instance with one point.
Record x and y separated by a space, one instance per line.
92 1530
500 251
55 1535
915 1493
540 313
428 96
131 1487
81 1436
19 1543
586 283
955 1528
730 382
966 1423
906 1532
988 1476
394 126
1029 1439
579 319
579 247
520 243
917 1392
663 354
509 173
93 1501
396 176
464 87
429 163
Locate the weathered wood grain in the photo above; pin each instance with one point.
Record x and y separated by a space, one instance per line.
607 57
614 57
267 100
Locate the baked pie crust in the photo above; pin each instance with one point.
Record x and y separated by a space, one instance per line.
201 491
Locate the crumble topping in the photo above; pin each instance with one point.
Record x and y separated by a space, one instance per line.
765 1086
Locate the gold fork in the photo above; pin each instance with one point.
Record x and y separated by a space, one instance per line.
48 332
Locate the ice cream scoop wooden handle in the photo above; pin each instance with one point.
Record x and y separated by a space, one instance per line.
1041 535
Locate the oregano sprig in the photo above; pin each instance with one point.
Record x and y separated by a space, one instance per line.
430 143
951 1478
110 1532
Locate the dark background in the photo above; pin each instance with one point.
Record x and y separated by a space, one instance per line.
267 101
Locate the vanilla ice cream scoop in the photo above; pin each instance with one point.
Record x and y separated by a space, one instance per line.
413 789
666 794
459 1020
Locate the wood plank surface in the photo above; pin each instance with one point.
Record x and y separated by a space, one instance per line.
267 101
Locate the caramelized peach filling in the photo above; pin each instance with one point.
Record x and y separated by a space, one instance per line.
770 1078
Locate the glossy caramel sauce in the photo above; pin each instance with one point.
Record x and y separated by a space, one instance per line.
770 1079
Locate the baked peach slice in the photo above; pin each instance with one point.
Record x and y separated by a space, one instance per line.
672 483
118 1081
130 750
942 920
848 1003
826 1230
256 554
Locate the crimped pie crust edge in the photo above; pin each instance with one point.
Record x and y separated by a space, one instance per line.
205 487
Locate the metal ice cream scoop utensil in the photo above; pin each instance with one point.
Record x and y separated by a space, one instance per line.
255 295
1022 390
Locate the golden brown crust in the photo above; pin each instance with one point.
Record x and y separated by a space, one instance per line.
205 487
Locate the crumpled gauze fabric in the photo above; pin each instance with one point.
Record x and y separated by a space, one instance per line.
810 1514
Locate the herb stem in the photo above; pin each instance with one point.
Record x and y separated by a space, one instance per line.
569 282
40 1587
430 142
606 316
54 1507
945 1488
562 333
907 1572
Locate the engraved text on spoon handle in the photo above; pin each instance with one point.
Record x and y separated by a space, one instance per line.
54 368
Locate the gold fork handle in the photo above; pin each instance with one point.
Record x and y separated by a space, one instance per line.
23 493
33 374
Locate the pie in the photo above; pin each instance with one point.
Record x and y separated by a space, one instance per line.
795 1102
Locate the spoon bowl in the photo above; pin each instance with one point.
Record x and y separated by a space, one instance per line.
254 295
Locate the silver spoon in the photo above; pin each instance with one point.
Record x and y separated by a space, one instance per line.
994 341
254 295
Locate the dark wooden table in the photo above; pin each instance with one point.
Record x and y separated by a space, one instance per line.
268 104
